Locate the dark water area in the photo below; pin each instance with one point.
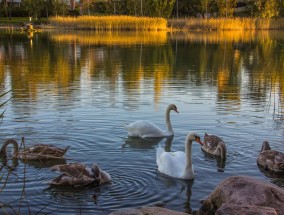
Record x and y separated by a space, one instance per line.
79 88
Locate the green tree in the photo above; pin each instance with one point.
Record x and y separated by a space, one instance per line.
186 9
134 7
34 7
266 8
207 7
226 7
158 8
59 7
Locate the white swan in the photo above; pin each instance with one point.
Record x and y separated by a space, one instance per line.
177 164
144 129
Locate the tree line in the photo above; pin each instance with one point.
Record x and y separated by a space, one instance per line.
151 8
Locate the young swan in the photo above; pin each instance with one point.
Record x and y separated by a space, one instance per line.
270 159
79 175
177 164
144 129
35 152
214 145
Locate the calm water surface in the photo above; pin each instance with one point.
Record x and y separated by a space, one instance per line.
78 88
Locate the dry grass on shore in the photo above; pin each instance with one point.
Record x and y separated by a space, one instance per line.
226 24
111 23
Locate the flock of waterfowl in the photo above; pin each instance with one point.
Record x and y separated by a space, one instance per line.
174 164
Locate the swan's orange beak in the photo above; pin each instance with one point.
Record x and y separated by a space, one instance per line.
199 141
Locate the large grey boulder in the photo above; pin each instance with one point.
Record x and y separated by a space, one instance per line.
232 209
147 211
246 194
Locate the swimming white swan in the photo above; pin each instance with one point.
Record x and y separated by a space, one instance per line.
177 164
214 145
270 159
143 129
79 175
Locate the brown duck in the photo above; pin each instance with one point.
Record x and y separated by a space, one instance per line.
270 159
214 145
35 152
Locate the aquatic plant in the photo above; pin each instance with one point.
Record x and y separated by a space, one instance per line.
110 23
227 24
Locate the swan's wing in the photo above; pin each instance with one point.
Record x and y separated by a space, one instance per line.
144 129
212 140
172 163
67 180
45 149
74 170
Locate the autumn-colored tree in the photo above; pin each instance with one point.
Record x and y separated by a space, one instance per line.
271 9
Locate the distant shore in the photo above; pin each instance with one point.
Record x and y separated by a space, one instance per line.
146 23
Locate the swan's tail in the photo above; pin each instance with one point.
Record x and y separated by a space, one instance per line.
65 149
125 125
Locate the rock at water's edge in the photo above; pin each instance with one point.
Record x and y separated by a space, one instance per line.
244 191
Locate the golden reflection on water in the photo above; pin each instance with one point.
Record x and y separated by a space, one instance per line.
227 36
229 59
111 38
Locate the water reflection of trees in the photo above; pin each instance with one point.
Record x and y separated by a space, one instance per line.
229 61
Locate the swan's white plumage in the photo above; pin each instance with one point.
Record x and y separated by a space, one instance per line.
171 163
177 164
144 129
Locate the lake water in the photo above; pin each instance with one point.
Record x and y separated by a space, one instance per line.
79 88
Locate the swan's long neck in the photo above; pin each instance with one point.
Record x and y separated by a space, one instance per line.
3 151
168 121
188 160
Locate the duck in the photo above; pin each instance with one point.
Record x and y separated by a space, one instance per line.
177 164
144 129
79 175
270 160
214 145
35 152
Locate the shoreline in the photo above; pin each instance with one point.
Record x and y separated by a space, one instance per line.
170 25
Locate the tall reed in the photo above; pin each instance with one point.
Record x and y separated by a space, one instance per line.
111 23
227 24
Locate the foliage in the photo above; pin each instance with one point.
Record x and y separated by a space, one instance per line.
34 7
271 9
160 8
149 8
226 8
59 7
207 8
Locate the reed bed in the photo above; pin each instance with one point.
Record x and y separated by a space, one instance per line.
227 24
111 23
